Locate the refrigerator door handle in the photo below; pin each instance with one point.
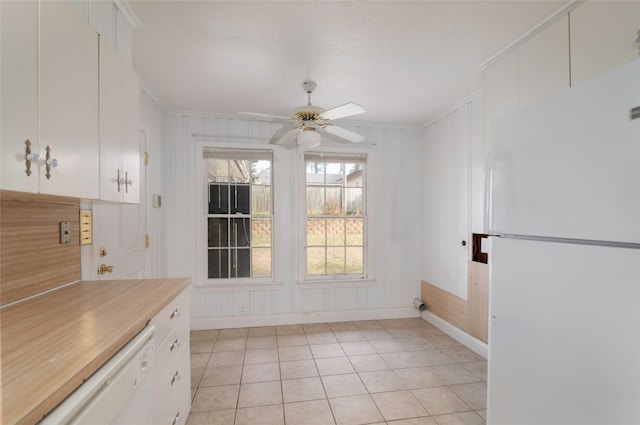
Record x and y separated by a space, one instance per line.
489 166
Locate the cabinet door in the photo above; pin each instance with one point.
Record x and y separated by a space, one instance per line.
131 134
19 35
602 35
500 94
110 124
543 63
68 101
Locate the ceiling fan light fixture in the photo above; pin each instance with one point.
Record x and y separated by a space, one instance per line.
308 138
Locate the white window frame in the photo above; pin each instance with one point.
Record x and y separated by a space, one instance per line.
203 282
339 280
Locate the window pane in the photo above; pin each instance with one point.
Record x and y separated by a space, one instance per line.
218 263
353 201
315 261
335 231
239 198
261 232
354 175
334 201
335 260
355 231
355 263
218 198
218 170
240 171
261 262
241 262
260 200
315 172
241 232
316 231
261 172
335 189
335 173
218 231
315 200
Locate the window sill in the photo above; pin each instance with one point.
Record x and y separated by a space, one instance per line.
237 286
336 283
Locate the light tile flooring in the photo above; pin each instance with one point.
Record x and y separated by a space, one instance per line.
395 372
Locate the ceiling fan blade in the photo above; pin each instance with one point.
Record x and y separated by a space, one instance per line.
273 117
344 134
345 110
288 137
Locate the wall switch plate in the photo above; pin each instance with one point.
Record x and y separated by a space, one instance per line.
65 232
86 222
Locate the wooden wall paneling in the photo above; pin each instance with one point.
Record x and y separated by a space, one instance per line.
32 260
445 305
479 300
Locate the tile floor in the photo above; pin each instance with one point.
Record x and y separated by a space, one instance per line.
395 372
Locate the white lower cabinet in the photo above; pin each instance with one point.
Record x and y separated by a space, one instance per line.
172 375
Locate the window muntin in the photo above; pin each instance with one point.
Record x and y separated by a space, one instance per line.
239 214
335 224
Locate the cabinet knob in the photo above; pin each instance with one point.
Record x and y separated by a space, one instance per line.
463 243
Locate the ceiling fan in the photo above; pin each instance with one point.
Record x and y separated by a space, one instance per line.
313 120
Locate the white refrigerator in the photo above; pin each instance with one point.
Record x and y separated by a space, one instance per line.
564 203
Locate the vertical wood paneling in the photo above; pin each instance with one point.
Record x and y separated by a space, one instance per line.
346 299
396 187
448 171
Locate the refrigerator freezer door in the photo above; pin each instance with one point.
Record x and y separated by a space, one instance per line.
564 345
569 166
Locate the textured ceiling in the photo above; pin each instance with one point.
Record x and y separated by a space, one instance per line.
405 62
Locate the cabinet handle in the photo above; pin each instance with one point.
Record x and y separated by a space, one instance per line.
177 419
29 157
127 182
176 344
50 162
105 269
176 377
118 179
176 313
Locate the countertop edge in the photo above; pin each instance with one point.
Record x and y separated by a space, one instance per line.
145 298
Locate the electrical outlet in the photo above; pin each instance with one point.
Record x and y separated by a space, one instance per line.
65 232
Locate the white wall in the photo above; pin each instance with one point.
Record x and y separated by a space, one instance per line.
396 213
452 185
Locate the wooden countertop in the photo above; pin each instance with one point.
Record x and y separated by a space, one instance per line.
50 344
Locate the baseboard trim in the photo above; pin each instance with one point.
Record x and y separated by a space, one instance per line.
198 324
456 333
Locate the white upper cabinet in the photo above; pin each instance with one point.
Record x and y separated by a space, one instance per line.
131 132
602 37
19 62
68 102
543 63
119 126
111 170
49 97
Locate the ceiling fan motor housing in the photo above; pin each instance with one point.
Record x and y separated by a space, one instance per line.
309 86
